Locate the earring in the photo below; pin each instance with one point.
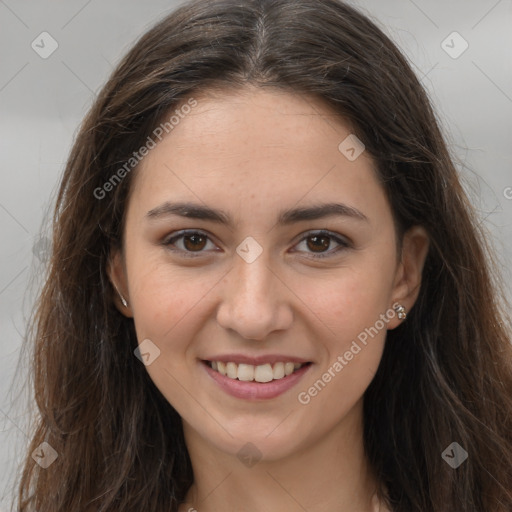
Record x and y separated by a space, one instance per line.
400 311
123 300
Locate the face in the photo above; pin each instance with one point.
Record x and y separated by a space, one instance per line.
266 279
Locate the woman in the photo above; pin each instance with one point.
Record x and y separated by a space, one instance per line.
268 289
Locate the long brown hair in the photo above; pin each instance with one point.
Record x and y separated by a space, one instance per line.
445 375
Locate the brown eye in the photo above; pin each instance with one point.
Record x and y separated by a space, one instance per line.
318 242
194 242
188 244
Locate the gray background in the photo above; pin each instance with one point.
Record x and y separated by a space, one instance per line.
43 100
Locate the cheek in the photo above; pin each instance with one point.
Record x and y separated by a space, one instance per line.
348 300
353 308
168 310
165 300
353 334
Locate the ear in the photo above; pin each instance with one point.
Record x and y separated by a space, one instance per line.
407 283
117 275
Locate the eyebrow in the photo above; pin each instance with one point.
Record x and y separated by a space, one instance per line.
286 217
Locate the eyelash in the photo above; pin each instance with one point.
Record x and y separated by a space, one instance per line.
343 244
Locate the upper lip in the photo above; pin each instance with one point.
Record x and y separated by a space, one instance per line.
256 360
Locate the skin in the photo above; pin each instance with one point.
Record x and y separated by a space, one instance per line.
253 153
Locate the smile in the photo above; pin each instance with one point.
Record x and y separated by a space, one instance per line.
255 382
261 373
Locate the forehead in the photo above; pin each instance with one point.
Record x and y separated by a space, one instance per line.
247 120
259 148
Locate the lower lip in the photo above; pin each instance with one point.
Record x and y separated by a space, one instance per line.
256 390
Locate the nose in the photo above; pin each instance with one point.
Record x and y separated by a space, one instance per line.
255 301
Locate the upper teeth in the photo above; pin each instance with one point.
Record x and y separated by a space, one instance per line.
248 372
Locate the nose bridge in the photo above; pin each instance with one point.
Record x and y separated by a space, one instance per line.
251 301
253 279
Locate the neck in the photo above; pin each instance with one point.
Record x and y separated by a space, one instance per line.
326 474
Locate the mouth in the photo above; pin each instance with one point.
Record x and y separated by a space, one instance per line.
250 373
